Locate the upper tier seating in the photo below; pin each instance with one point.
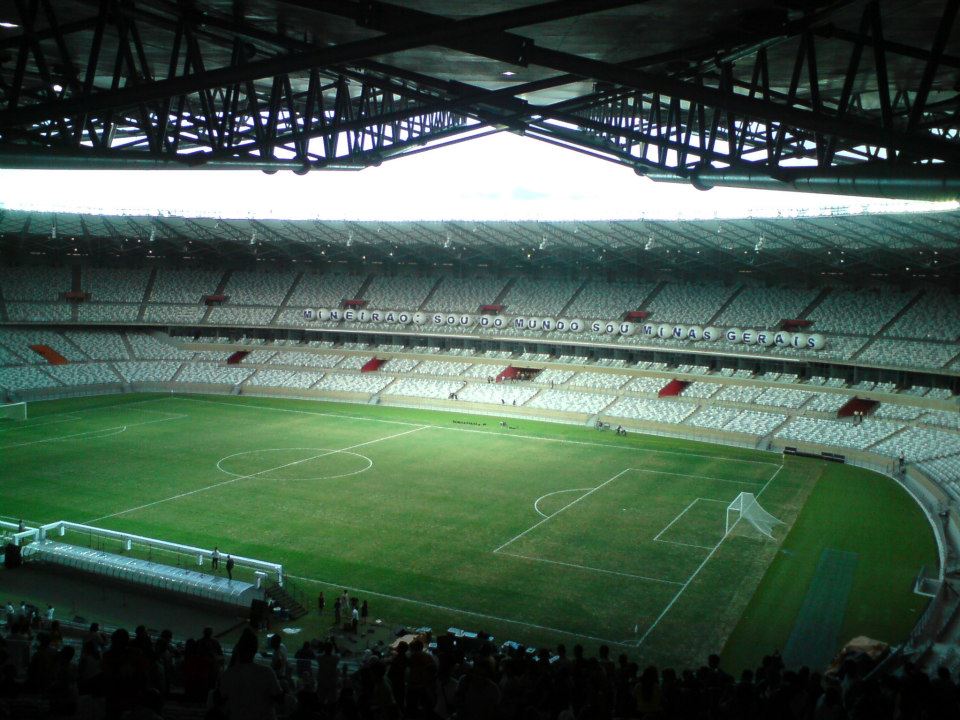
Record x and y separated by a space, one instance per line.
646 385
259 357
890 411
9 357
608 300
497 393
858 312
174 314
701 389
258 288
837 433
284 378
602 381
530 297
827 402
353 362
93 312
232 315
551 376
344 382
920 444
908 353
306 359
399 292
942 418
184 286
325 291
150 348
25 377
416 387
936 316
211 374
83 374
99 345
661 411
20 341
783 397
436 367
39 312
482 370
765 307
34 283
754 422
111 285
712 416
464 295
148 370
693 303
945 471
579 402
404 365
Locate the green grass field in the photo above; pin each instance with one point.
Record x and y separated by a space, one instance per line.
538 532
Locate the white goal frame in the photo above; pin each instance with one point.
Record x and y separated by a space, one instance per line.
13 411
746 507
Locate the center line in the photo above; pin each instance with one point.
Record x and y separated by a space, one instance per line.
252 475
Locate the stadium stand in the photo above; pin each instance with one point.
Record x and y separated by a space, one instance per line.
399 292
99 345
368 383
93 312
862 312
464 294
39 312
688 302
497 393
936 316
659 411
568 401
258 288
858 436
599 381
148 371
37 284
608 300
285 379
533 297
765 307
210 374
113 285
416 387
183 286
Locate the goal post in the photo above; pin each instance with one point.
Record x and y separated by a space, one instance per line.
13 411
745 507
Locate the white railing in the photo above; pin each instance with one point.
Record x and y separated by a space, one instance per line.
60 527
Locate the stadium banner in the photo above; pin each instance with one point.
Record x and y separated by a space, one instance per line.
625 328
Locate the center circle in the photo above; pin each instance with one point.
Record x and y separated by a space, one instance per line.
296 463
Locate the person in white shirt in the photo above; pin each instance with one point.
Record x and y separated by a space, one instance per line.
49 613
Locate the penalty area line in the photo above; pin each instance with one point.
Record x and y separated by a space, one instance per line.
568 505
251 475
459 611
592 569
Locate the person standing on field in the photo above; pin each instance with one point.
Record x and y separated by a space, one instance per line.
230 565
336 612
215 559
321 603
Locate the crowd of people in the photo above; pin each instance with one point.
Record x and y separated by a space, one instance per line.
127 676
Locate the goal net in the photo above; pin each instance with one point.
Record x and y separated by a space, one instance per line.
745 507
13 411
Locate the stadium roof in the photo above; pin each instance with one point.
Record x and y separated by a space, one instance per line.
845 97
858 248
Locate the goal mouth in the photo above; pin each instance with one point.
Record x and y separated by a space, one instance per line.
746 508
16 412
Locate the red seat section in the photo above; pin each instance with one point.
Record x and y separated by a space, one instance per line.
215 299
354 304
237 357
857 405
790 325
673 388
372 365
509 373
49 354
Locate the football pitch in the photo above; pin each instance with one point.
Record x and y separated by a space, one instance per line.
536 532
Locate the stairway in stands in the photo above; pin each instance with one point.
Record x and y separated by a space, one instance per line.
286 601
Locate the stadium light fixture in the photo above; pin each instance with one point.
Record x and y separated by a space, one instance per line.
8 25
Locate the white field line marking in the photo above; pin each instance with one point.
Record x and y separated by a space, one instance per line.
458 611
679 515
592 569
90 432
536 503
568 505
699 568
677 542
481 432
29 426
698 477
251 475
